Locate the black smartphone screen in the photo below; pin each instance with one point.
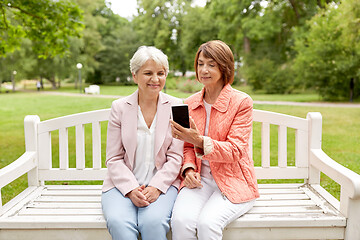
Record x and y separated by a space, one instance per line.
181 115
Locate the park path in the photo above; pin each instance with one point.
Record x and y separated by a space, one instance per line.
305 104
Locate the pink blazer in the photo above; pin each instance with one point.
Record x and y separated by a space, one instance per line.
122 140
229 129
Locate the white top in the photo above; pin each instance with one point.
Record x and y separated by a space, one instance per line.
205 166
144 167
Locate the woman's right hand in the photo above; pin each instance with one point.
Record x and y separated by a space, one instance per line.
192 179
137 197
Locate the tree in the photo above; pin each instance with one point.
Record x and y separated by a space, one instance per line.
329 53
47 23
120 41
197 28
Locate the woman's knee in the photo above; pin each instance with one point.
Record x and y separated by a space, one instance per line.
121 229
208 227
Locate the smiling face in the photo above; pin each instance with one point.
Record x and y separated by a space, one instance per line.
208 71
150 78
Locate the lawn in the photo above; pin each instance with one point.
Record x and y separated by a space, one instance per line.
340 127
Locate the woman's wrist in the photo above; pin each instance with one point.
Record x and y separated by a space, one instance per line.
187 170
200 142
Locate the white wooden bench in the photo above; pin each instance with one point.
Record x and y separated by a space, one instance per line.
283 211
92 89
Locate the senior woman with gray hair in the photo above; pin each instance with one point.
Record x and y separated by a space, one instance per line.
142 158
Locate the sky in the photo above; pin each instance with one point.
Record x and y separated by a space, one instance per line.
127 8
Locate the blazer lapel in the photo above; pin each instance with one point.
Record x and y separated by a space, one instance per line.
162 122
129 127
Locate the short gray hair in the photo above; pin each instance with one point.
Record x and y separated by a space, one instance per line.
145 53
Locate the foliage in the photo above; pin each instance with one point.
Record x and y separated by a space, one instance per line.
47 23
277 44
329 52
120 41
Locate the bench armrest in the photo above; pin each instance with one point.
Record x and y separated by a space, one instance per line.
348 179
19 167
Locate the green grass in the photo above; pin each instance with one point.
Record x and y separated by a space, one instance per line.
340 127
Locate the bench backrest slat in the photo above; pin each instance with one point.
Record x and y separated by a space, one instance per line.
44 150
96 144
282 146
265 145
80 146
268 168
64 148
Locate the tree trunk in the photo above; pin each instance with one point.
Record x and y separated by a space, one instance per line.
52 81
293 4
352 86
247 48
13 81
41 82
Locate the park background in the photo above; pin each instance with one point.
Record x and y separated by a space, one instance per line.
285 50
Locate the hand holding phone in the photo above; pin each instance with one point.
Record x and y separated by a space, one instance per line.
181 115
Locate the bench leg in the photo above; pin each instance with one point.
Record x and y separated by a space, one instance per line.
353 222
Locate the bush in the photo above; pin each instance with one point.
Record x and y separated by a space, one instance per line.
189 85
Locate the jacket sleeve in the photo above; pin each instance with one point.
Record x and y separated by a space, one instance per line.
120 174
236 143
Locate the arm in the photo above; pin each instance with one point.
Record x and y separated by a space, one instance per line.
120 174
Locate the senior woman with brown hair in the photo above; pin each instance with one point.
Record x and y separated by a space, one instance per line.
219 182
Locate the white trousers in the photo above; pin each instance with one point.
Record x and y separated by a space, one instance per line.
203 213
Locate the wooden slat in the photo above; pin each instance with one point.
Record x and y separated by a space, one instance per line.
99 187
301 149
45 154
69 199
59 212
280 185
285 210
94 192
280 191
283 197
36 231
281 173
72 174
96 144
251 143
265 145
63 148
73 120
80 146
282 146
284 233
64 205
284 203
280 119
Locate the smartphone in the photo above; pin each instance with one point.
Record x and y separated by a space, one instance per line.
181 115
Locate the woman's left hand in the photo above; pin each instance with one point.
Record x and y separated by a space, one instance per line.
151 193
190 135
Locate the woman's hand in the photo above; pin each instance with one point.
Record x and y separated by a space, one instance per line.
137 197
151 193
192 179
190 135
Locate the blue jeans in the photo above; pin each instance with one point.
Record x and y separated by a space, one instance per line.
125 221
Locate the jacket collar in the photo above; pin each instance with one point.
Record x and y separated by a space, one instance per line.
222 102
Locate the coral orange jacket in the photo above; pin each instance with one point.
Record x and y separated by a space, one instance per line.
229 130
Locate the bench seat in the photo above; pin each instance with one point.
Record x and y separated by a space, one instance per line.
77 208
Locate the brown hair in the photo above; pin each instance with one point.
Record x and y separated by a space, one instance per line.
221 53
